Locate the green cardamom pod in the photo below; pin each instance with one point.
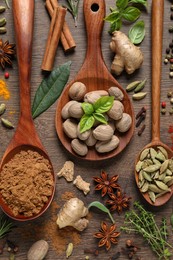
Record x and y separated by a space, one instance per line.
6 123
140 86
3 30
2 108
69 250
3 22
139 96
132 85
2 9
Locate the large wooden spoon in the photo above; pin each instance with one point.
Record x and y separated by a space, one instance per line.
157 35
95 75
25 137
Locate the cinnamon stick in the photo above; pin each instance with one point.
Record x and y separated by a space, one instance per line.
56 25
67 40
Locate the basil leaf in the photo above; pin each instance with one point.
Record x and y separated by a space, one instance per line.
100 117
50 89
131 13
137 32
143 2
112 17
103 104
115 26
100 206
87 108
86 122
122 4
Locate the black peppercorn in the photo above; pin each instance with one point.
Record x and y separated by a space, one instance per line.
167 50
171 45
171 8
171 16
171 29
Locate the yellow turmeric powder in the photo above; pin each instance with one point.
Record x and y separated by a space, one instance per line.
4 92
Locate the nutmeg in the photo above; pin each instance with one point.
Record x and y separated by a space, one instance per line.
77 91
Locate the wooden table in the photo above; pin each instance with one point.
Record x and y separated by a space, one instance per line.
25 234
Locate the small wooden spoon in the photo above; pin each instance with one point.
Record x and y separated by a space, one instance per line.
25 137
157 34
95 75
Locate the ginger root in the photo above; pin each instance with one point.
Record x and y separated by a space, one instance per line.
67 171
128 56
72 214
82 185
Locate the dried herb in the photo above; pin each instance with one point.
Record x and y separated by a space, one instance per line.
105 184
7 52
50 89
107 235
5 226
143 222
72 7
118 201
100 206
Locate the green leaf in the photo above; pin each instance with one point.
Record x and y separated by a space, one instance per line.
100 117
112 17
137 32
115 26
121 4
50 89
86 122
87 108
131 14
100 206
103 104
143 2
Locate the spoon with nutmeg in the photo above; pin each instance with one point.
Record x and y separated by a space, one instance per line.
157 31
25 137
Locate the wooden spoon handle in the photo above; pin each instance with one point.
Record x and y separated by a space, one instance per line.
94 13
157 35
23 13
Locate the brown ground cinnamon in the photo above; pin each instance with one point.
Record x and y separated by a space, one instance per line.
56 25
67 40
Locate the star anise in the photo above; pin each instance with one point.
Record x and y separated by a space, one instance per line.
107 235
118 201
105 184
7 51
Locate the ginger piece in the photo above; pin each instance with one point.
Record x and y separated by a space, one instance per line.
67 171
73 214
128 56
82 185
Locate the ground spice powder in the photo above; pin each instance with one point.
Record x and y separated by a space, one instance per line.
4 92
26 182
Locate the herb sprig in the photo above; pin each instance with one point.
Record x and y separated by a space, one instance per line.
73 6
143 222
125 11
5 226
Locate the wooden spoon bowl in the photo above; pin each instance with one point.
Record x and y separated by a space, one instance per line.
157 34
95 75
25 137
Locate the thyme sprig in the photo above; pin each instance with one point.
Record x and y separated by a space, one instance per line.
5 226
73 6
143 222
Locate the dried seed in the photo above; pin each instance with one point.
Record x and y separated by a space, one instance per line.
167 179
155 161
153 153
2 9
152 196
2 108
162 176
161 193
156 175
169 183
144 187
161 185
141 177
160 157
69 250
3 22
140 86
142 110
154 188
139 96
144 154
138 166
147 176
141 183
170 165
168 172
163 151
164 166
141 130
3 30
6 123
152 168
132 85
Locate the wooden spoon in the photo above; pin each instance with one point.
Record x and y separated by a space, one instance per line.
95 75
157 35
25 137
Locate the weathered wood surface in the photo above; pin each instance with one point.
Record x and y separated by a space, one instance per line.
123 165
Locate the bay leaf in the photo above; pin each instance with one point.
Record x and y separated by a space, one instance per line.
50 89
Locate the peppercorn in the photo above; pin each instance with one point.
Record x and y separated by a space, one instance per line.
168 56
166 61
163 104
129 243
167 50
171 29
171 7
171 74
171 60
169 94
163 111
6 75
171 45
171 16
171 67
171 111
171 101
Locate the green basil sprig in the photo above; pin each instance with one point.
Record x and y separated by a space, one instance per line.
95 112
137 32
124 10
